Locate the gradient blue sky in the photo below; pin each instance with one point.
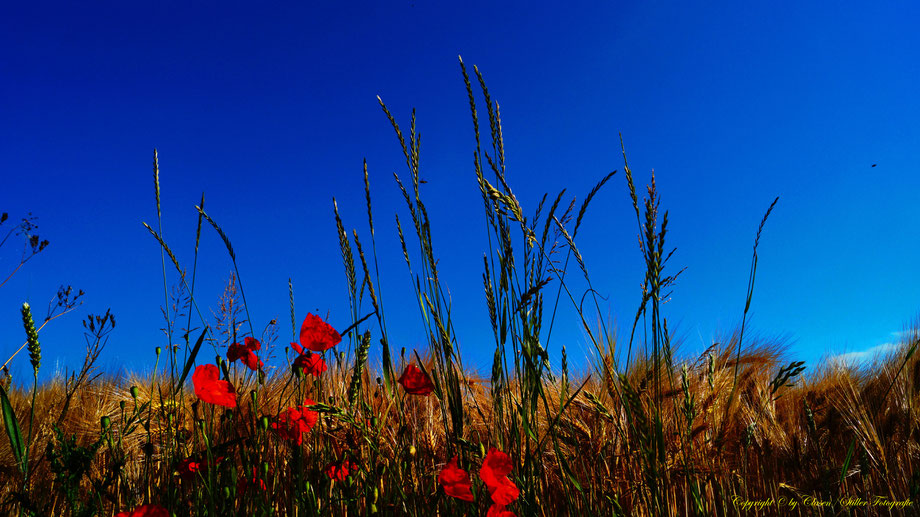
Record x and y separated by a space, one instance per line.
270 110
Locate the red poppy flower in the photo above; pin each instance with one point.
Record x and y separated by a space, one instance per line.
252 343
293 422
255 481
497 510
340 471
312 364
415 381
494 473
316 335
496 465
505 492
148 510
211 389
246 353
456 481
190 468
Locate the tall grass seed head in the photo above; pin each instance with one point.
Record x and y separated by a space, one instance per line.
35 351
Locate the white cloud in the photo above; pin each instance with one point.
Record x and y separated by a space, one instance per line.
903 335
854 358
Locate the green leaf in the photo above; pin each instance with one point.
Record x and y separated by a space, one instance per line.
191 359
12 431
568 472
846 462
912 350
527 428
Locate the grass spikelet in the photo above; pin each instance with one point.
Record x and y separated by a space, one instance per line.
469 91
367 197
599 406
293 317
354 387
367 273
236 268
220 232
402 242
156 182
399 135
165 247
549 219
588 198
345 248
35 350
572 247
198 227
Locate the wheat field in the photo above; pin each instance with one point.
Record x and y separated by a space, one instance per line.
739 429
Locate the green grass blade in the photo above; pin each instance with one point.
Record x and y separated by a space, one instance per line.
191 359
12 431
846 462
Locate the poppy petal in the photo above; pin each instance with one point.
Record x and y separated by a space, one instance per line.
415 381
317 335
210 389
456 481
252 343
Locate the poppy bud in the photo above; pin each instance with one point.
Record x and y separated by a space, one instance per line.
121 404
134 392
255 396
106 423
158 350
263 423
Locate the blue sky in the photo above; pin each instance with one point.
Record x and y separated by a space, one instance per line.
270 110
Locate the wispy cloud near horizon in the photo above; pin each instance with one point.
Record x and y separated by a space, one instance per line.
854 358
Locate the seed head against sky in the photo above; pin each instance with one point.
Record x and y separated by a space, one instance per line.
270 110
